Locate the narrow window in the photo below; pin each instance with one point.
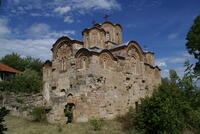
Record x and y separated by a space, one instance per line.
136 105
107 36
95 39
63 64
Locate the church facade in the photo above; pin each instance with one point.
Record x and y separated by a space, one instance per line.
99 77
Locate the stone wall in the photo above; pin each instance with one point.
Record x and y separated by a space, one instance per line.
20 104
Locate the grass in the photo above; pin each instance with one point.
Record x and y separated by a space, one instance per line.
18 125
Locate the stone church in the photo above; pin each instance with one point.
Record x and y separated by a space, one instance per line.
99 77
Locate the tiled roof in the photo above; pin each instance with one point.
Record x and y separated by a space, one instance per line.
5 68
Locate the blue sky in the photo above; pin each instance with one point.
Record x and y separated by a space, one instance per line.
30 27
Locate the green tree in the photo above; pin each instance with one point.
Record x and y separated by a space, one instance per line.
172 108
34 64
193 41
14 60
3 113
173 76
29 81
163 113
165 80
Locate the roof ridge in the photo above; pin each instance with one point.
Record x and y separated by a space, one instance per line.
6 68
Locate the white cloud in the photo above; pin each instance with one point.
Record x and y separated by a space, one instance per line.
160 63
68 19
180 71
38 43
54 34
39 48
177 60
43 30
187 55
38 29
97 4
62 10
165 73
61 6
4 30
173 35
41 14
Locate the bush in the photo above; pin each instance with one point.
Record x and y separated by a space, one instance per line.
16 61
29 82
68 113
5 86
3 113
96 124
59 128
38 114
166 112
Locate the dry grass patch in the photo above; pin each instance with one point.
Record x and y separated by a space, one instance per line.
17 125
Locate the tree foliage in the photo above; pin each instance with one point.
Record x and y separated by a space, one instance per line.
29 81
38 114
175 106
3 113
16 61
193 41
165 112
173 76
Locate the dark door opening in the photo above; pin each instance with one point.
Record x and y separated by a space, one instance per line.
69 112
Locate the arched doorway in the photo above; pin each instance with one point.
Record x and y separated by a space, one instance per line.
69 112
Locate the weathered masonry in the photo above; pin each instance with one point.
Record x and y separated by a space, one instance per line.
100 77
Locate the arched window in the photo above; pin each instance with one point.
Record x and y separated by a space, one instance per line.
82 62
105 61
107 36
63 64
117 37
95 39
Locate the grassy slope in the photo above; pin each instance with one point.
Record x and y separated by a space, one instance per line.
17 125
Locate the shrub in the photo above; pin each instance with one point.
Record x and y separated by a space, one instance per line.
38 114
60 129
30 82
16 61
167 111
3 113
96 124
68 113
164 112
5 86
